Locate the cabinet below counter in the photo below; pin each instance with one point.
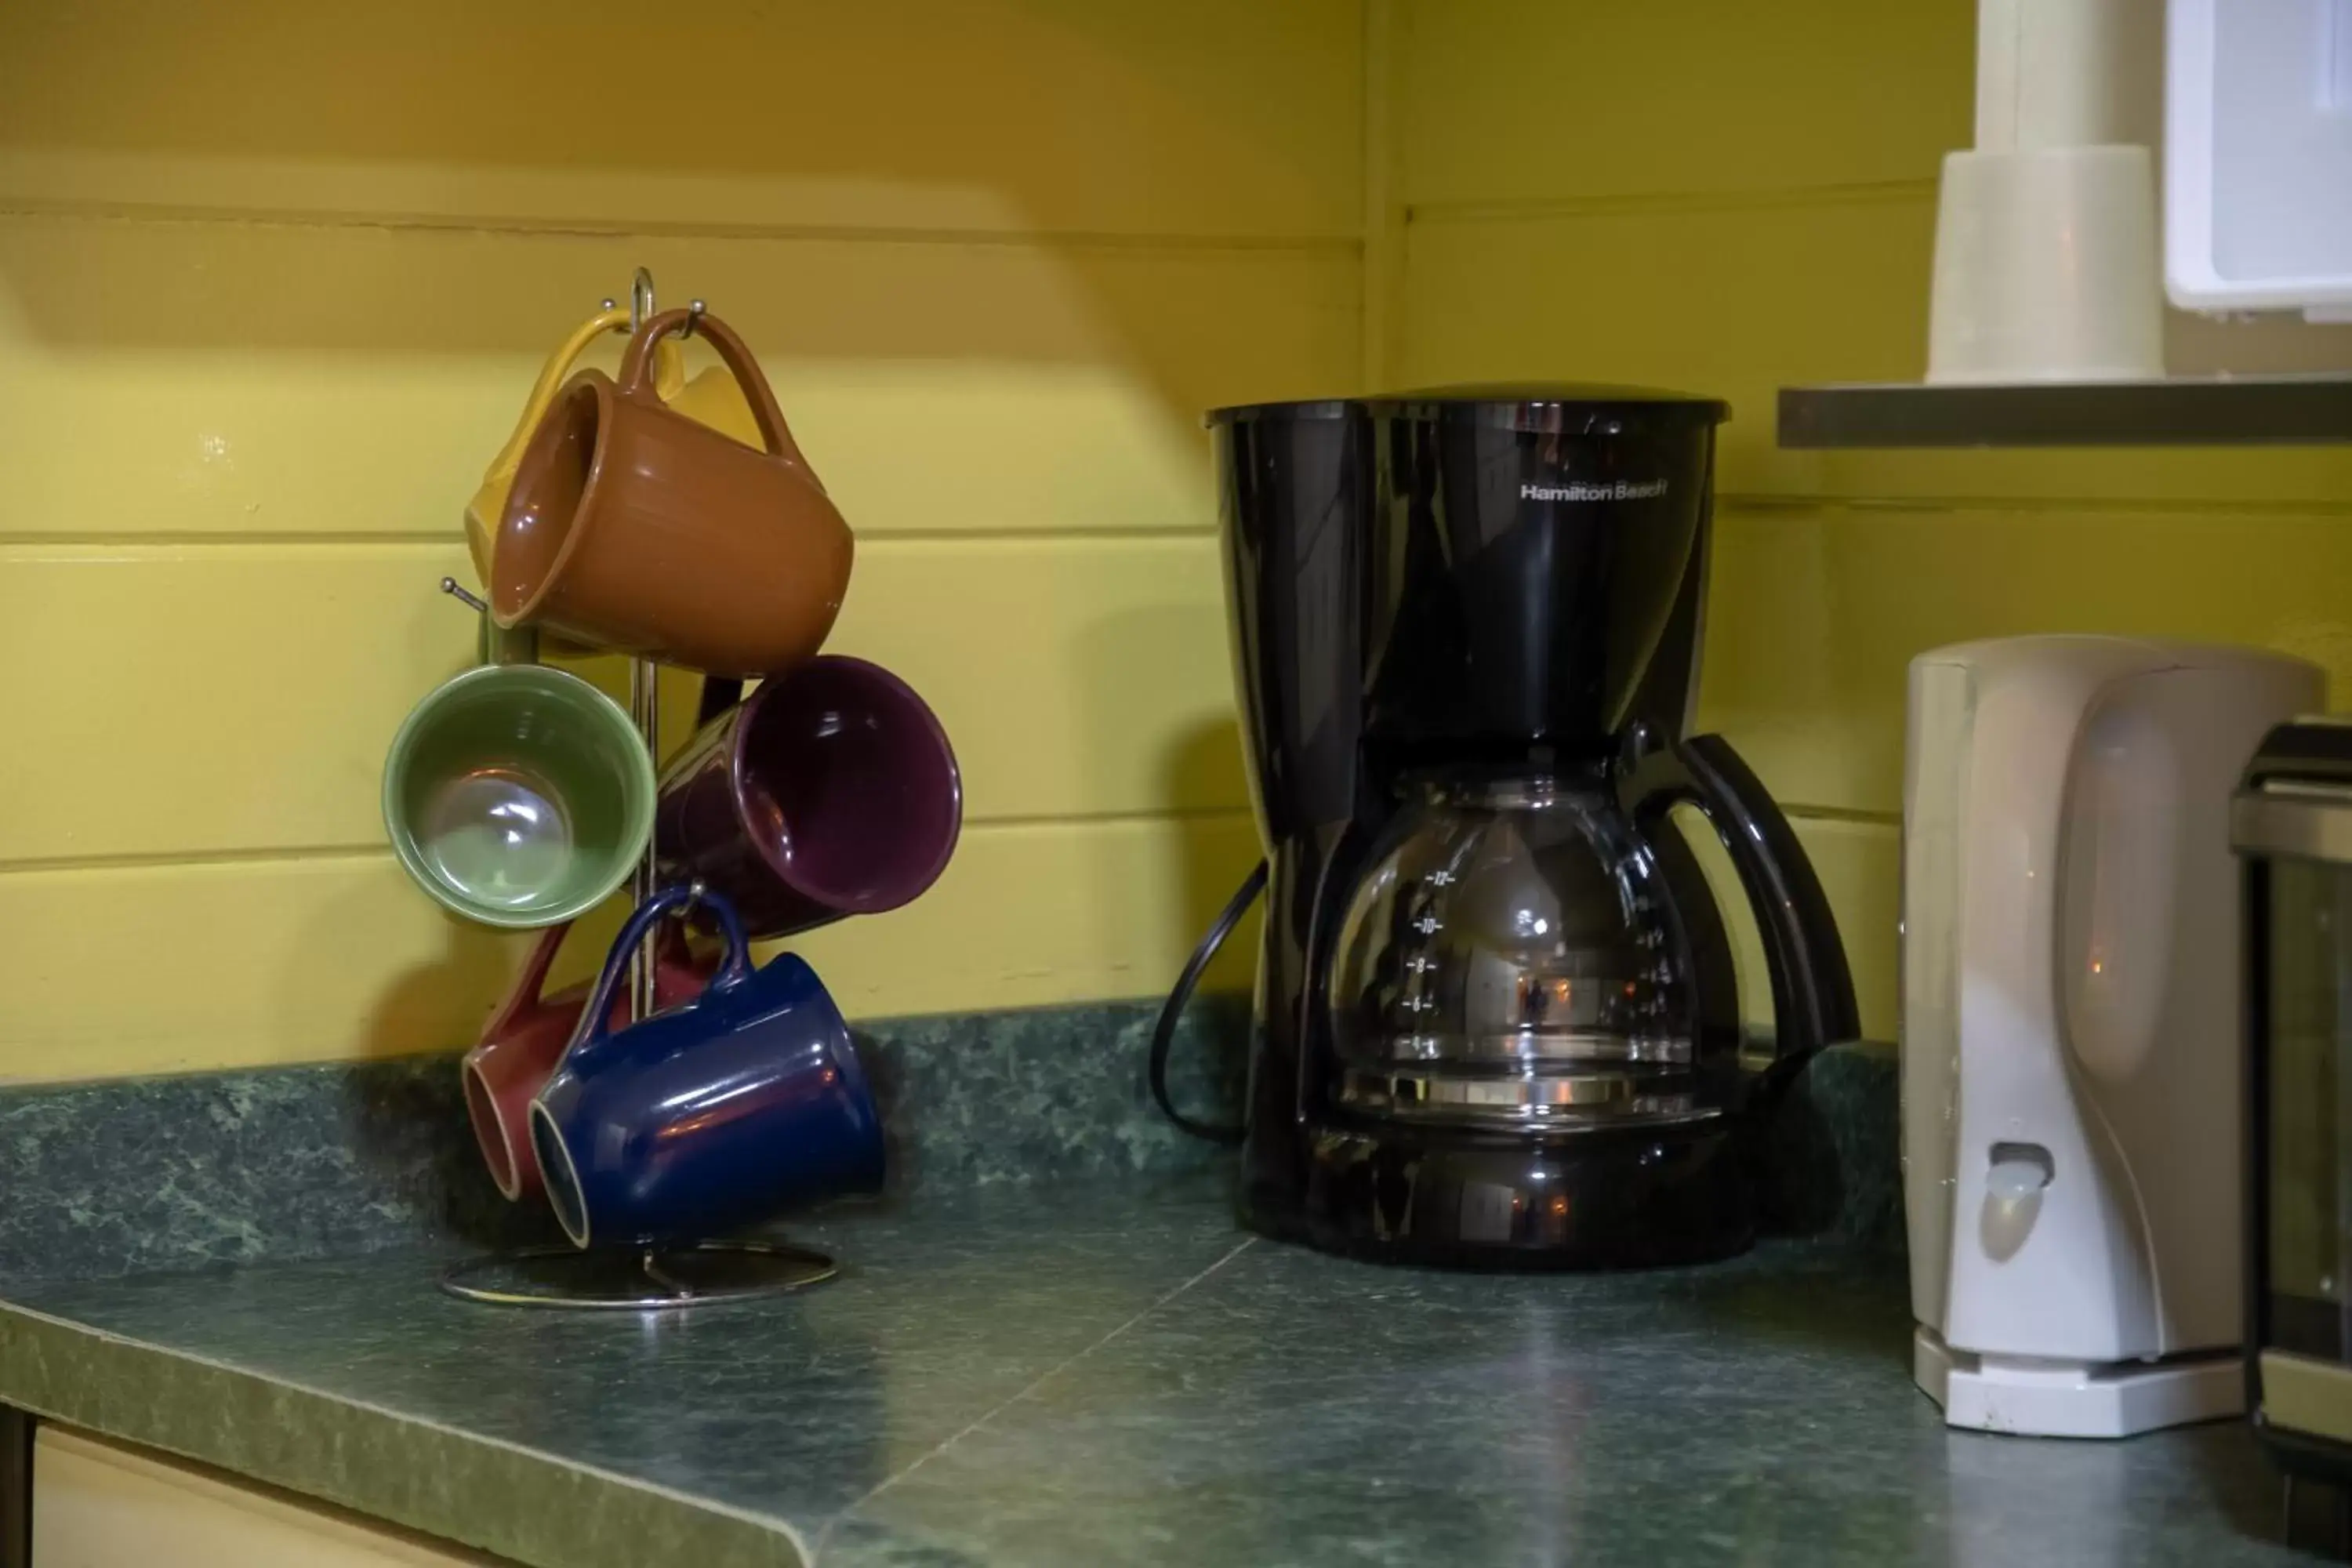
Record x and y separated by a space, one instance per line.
99 1504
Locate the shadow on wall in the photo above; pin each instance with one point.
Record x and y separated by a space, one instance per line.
1217 859
446 998
1200 785
812 127
904 103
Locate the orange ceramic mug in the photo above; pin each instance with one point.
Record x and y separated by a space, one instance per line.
633 527
711 397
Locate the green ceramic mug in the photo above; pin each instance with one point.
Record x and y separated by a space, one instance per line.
519 796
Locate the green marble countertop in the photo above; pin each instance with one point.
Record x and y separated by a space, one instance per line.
1112 1375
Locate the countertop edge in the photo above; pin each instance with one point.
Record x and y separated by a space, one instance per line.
476 1491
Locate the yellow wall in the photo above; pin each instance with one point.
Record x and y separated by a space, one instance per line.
274 276
1728 198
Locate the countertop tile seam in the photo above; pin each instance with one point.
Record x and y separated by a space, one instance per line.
229 1369
824 1536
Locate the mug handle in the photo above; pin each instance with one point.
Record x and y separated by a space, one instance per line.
591 1031
636 366
550 378
527 984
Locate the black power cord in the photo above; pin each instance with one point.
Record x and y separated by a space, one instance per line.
1163 1032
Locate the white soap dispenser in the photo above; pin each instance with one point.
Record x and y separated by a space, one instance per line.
2071 1024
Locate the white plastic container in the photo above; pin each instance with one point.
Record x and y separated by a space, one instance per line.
2045 267
2070 1026
2046 241
2258 156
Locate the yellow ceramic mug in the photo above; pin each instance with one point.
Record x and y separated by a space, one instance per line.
714 398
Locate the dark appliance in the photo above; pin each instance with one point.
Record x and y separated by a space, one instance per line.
2291 824
1496 1019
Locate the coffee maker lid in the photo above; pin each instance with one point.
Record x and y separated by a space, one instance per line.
1549 409
1545 408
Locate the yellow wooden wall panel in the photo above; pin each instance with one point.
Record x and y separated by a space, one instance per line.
1219 117
166 968
1739 299
210 699
1815 615
1536 100
1077 678
237 699
274 278
1858 861
1860 864
204 377
1035 913
1732 301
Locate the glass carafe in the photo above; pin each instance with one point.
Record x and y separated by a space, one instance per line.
1512 954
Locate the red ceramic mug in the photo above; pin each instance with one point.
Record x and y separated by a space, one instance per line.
525 1039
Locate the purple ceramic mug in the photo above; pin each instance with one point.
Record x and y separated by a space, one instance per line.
830 790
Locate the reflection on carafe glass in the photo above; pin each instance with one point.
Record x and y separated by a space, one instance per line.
500 835
1509 951
2310 1160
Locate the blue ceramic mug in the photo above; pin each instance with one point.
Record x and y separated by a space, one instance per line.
712 1115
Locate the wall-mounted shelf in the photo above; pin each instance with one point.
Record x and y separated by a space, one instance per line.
2181 411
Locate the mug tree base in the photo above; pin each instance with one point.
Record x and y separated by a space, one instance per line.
665 1278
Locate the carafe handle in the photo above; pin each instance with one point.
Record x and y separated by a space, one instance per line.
1812 989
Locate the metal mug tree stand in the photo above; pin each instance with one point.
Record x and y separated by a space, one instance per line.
660 1276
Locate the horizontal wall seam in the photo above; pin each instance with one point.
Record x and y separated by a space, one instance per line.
1516 209
312 854
1334 245
867 541
2290 510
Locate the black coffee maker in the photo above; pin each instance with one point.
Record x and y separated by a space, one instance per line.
1496 1017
